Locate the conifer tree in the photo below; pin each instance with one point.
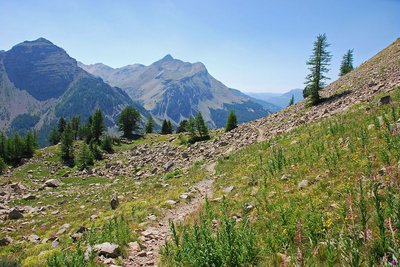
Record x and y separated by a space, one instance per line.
107 144
30 144
347 63
85 157
54 136
76 122
318 66
291 102
231 122
3 165
67 141
201 126
97 126
166 127
62 124
183 126
149 128
191 127
128 121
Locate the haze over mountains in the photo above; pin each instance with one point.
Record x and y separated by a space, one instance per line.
40 83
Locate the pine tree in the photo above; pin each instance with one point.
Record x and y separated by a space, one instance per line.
67 142
76 123
128 121
347 63
231 122
54 137
191 127
62 124
3 165
202 128
107 144
3 146
166 127
85 157
30 145
149 128
183 125
97 126
291 102
318 66
19 148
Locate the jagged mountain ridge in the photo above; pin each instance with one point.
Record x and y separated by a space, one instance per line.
40 82
173 89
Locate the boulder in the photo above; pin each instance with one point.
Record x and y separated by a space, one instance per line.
229 189
5 241
108 250
303 184
168 165
114 202
15 214
52 183
385 100
34 238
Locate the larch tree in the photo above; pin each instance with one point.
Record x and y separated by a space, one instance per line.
347 63
318 66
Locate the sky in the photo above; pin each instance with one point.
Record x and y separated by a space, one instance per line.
254 46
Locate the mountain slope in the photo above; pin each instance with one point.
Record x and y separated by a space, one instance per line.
280 100
40 80
171 88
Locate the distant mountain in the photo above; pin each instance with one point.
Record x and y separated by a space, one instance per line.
280 100
173 89
40 82
266 105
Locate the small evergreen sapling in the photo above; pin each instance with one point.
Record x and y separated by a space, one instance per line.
231 122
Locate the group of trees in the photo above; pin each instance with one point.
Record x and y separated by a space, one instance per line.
92 133
14 149
318 66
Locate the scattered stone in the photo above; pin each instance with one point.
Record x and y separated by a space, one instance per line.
114 202
385 100
5 241
168 165
108 250
142 253
34 238
171 202
303 184
55 244
15 214
285 177
229 189
29 197
134 246
52 183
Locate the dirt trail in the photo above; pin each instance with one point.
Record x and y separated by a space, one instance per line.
154 237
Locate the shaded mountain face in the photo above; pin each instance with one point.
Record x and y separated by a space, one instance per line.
40 82
173 89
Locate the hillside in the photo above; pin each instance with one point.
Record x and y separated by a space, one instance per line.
40 83
173 89
311 186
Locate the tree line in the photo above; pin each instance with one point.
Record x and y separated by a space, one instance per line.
14 149
319 67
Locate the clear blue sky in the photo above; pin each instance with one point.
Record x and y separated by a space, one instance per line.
249 45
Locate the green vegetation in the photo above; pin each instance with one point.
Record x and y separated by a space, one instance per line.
211 243
197 129
166 127
149 127
324 194
85 157
318 66
231 122
347 63
291 102
14 149
183 126
128 121
97 126
67 145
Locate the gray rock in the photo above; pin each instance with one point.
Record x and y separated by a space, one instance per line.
15 214
108 250
385 100
229 189
168 165
303 184
29 197
52 183
34 238
5 241
114 202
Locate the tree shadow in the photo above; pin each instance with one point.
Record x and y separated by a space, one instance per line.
333 98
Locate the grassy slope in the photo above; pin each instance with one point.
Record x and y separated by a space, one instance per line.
320 224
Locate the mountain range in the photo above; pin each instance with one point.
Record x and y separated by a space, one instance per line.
173 89
278 100
40 83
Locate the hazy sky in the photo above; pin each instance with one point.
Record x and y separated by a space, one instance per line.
249 45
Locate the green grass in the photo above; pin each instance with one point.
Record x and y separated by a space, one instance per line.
348 215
